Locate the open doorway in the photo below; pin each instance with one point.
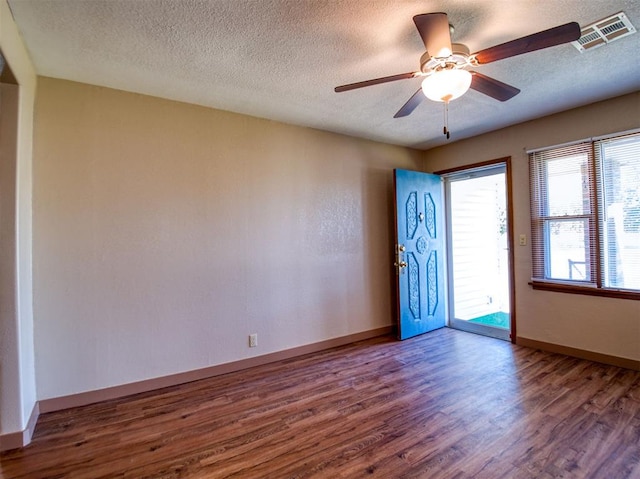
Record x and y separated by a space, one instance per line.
479 256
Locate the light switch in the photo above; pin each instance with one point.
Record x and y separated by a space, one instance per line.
523 240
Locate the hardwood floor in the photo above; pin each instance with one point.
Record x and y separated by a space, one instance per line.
447 404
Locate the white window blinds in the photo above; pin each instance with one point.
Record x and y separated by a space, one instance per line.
585 213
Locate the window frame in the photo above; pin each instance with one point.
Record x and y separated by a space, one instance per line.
593 284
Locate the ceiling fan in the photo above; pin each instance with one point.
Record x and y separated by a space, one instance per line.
445 66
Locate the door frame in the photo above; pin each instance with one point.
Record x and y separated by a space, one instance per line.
506 162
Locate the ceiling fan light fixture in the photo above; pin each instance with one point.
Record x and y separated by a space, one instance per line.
446 85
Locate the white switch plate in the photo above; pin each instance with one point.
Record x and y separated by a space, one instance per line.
523 240
253 340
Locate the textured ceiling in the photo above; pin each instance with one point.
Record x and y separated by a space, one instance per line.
281 59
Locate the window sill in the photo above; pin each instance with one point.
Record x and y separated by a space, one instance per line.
586 290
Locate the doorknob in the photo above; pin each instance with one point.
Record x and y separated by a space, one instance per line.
400 263
400 266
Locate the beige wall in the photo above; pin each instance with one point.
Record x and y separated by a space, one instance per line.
601 325
165 233
17 372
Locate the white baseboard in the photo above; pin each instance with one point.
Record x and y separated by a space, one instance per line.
14 440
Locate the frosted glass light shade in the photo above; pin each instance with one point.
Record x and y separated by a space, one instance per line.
446 85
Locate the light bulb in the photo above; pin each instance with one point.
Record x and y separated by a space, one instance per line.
446 85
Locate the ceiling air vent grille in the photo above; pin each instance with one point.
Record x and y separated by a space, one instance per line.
604 31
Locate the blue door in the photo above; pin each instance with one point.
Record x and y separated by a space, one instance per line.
419 253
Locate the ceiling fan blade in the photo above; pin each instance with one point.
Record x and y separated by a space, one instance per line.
376 81
568 32
434 30
492 87
411 105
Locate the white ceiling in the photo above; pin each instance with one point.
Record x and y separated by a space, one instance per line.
281 59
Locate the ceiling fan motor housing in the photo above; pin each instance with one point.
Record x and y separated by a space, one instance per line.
458 59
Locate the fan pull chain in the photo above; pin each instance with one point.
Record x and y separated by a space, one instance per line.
445 130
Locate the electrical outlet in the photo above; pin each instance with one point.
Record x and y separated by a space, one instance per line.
253 340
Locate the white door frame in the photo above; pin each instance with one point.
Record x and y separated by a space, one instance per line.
502 165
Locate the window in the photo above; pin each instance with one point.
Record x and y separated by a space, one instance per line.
585 216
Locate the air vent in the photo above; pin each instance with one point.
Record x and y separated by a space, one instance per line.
604 31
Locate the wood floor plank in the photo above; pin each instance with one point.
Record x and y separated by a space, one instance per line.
447 404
